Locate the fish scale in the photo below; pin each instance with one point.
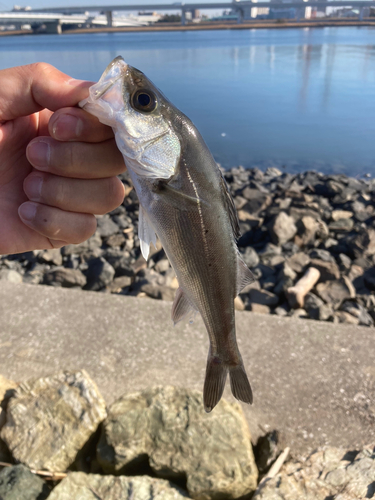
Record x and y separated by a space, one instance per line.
185 202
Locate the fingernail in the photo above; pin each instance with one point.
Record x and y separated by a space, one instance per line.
38 153
33 187
67 127
27 211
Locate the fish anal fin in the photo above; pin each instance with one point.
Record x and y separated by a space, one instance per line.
146 233
181 307
244 275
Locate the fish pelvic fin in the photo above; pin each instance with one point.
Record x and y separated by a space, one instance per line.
216 376
240 385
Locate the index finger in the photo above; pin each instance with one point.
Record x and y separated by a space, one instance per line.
28 89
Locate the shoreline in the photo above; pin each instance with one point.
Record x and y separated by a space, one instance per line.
207 26
295 228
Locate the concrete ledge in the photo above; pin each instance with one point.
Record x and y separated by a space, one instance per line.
313 381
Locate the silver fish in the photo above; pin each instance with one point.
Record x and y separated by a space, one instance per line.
185 201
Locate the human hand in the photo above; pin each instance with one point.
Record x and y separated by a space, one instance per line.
56 169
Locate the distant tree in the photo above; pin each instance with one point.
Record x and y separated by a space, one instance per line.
170 18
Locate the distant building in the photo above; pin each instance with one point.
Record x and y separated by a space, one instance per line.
259 11
18 8
282 13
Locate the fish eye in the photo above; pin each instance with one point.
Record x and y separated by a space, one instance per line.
144 100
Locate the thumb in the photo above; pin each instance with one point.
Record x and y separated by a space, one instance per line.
27 89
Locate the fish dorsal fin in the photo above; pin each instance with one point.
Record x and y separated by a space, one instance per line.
229 202
244 275
146 233
181 307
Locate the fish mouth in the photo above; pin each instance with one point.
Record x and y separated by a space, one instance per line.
115 70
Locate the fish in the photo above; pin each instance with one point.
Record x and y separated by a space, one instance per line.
186 203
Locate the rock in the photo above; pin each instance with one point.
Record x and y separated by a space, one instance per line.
106 227
327 474
238 304
298 262
10 275
170 427
319 253
341 225
162 266
341 214
369 277
282 228
89 245
282 310
335 291
259 308
345 317
312 304
328 270
266 451
250 257
116 240
358 311
363 243
263 297
68 278
99 274
256 201
118 284
344 262
50 419
296 294
51 256
307 229
80 486
18 483
161 292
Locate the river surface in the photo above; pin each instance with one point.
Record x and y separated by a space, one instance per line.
294 98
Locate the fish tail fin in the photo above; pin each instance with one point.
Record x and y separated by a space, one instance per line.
240 384
216 375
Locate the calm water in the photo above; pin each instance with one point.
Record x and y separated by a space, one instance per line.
298 98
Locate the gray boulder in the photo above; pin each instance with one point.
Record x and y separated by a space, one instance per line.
80 486
282 228
50 419
327 474
68 278
169 427
18 483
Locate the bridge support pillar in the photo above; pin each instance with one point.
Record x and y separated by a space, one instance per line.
108 15
246 13
300 13
183 17
54 28
361 13
240 16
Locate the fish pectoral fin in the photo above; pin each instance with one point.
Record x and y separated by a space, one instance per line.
181 307
146 233
177 197
244 275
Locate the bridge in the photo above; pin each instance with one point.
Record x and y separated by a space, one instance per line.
56 16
